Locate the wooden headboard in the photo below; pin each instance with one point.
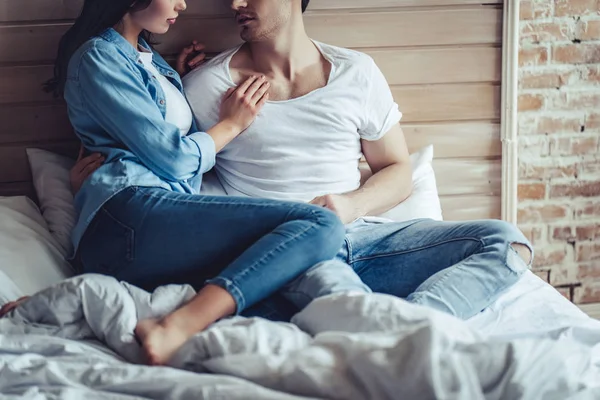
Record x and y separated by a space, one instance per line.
442 58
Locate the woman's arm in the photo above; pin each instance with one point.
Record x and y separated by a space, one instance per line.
117 99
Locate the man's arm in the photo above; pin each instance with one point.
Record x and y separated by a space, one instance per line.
390 184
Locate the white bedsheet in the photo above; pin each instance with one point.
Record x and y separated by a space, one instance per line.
530 308
350 347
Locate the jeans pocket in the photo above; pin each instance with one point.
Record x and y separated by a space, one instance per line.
108 247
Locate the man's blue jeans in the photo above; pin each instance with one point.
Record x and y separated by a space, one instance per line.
456 267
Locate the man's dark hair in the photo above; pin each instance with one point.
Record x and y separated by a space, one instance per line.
305 4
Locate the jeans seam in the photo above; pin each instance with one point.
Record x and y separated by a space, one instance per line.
417 249
446 276
130 239
292 205
230 286
252 267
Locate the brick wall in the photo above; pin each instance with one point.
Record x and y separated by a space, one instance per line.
559 135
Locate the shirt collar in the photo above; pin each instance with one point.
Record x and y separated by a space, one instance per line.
111 35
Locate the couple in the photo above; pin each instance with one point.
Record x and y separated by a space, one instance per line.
284 121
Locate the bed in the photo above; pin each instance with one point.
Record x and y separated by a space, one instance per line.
451 65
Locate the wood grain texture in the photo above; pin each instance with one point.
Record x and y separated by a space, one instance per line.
18 189
400 67
456 176
451 102
35 10
14 158
475 139
33 43
35 123
467 208
442 59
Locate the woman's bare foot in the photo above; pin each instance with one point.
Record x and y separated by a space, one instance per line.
8 307
160 340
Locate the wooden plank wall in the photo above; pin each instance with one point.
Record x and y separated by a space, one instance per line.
442 59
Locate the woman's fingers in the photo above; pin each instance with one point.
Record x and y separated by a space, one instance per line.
260 93
243 88
256 85
263 101
229 93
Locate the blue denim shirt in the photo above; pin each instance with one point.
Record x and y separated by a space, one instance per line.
118 109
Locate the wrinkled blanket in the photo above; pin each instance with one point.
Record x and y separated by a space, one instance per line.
75 340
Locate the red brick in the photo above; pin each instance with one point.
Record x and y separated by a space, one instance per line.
533 233
545 172
543 213
546 80
533 56
591 293
573 146
589 232
549 125
590 74
563 233
578 101
588 210
576 189
526 11
589 271
588 251
590 30
530 102
532 147
590 169
547 32
592 122
572 8
577 53
565 273
566 292
545 258
544 274
532 191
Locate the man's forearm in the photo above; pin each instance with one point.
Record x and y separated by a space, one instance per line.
383 191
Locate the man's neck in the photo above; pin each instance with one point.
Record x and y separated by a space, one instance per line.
285 55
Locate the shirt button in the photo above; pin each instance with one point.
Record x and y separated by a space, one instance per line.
162 102
153 77
170 73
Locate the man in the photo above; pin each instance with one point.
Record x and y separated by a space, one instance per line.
327 107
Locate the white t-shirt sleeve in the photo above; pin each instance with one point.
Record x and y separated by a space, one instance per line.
381 112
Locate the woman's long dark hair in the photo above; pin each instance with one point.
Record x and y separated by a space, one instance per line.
95 17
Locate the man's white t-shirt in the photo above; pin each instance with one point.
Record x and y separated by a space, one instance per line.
305 147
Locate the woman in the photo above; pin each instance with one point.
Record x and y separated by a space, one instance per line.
141 218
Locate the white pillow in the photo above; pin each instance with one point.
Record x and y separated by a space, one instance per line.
424 202
29 254
51 180
53 188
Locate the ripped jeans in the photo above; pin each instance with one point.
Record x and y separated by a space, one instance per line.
456 267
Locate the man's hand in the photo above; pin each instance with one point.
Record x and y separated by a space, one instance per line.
190 58
83 168
340 204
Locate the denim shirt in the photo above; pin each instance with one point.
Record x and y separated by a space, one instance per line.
118 108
